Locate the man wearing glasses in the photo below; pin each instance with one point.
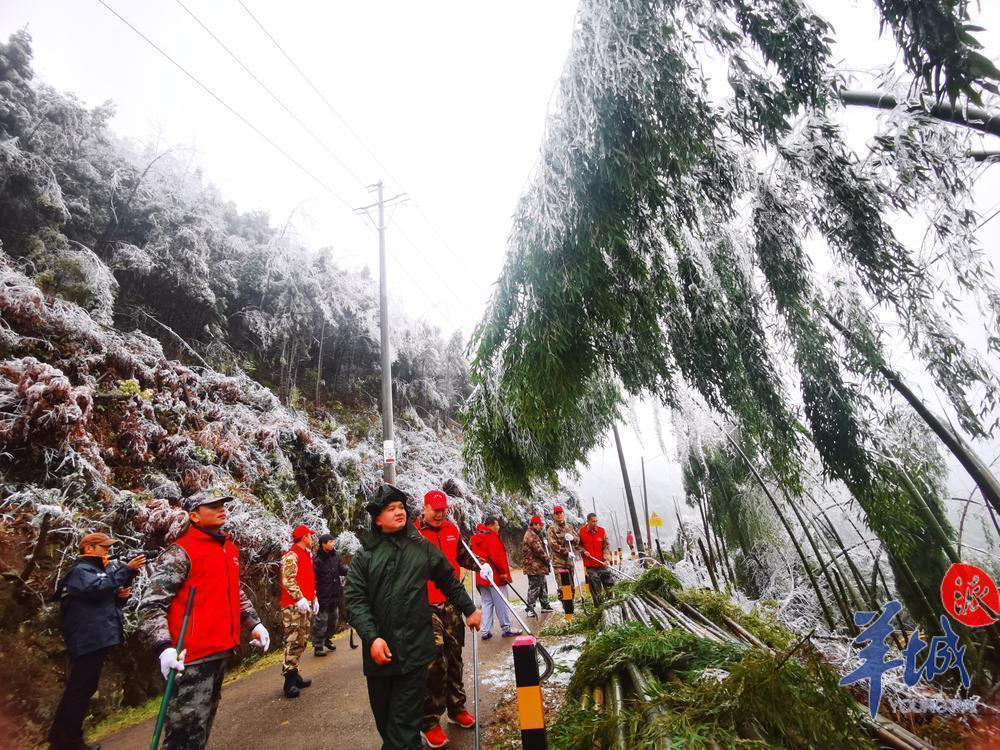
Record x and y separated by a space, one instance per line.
92 596
206 559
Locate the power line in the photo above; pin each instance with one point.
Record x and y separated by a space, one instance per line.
219 99
257 130
318 92
347 125
271 93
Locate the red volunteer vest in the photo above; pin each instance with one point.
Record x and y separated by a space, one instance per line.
304 576
593 544
215 618
445 539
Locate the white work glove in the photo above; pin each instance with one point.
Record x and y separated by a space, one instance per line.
572 555
486 572
169 659
261 638
304 605
315 606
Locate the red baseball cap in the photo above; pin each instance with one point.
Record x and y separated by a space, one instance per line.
558 509
536 519
436 499
300 531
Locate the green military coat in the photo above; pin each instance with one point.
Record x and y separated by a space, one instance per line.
386 597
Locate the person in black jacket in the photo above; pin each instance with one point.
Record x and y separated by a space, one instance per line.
327 569
387 604
92 596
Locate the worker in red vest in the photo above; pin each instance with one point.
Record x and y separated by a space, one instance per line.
445 684
206 559
298 605
488 547
596 555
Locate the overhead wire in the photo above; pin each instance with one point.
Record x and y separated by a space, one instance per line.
262 134
308 81
225 104
274 96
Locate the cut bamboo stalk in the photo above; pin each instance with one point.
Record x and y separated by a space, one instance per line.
617 702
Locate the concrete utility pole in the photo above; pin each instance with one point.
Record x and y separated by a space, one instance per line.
640 547
645 503
388 443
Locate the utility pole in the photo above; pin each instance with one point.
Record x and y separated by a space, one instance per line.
645 503
388 443
628 493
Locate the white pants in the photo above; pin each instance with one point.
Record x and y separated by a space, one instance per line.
494 599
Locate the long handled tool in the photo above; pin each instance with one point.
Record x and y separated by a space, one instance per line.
550 665
161 717
548 553
572 570
475 673
613 569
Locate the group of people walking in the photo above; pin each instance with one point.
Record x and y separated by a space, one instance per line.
403 596
556 549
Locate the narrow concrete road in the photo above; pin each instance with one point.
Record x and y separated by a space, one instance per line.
334 712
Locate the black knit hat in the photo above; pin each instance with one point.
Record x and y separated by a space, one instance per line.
382 497
325 538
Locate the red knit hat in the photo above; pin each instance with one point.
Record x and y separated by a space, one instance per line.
535 519
557 509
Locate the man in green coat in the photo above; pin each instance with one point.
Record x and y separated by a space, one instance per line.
387 605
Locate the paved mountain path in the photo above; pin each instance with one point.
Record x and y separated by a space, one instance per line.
333 712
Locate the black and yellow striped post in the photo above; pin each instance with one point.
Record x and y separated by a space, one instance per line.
530 710
566 593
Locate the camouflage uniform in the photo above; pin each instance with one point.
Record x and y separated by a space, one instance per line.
295 623
199 687
445 688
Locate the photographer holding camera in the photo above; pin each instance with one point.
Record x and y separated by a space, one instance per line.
92 596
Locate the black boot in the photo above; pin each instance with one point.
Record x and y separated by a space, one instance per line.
291 684
300 681
330 646
319 650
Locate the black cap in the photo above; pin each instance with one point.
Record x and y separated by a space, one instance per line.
382 497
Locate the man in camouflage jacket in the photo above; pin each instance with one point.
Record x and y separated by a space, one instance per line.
203 563
298 605
535 562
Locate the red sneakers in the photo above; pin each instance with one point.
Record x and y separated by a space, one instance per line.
435 737
464 719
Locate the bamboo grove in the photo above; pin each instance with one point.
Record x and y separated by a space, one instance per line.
666 247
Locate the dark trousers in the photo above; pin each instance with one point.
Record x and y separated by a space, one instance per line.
324 625
398 704
81 684
445 686
192 707
601 583
538 591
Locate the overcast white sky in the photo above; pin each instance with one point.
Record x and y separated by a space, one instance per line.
451 97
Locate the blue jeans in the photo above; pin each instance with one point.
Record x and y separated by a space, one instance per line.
494 600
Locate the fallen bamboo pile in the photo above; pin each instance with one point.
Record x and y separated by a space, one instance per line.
630 685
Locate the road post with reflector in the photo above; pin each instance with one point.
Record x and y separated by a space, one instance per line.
566 593
530 711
